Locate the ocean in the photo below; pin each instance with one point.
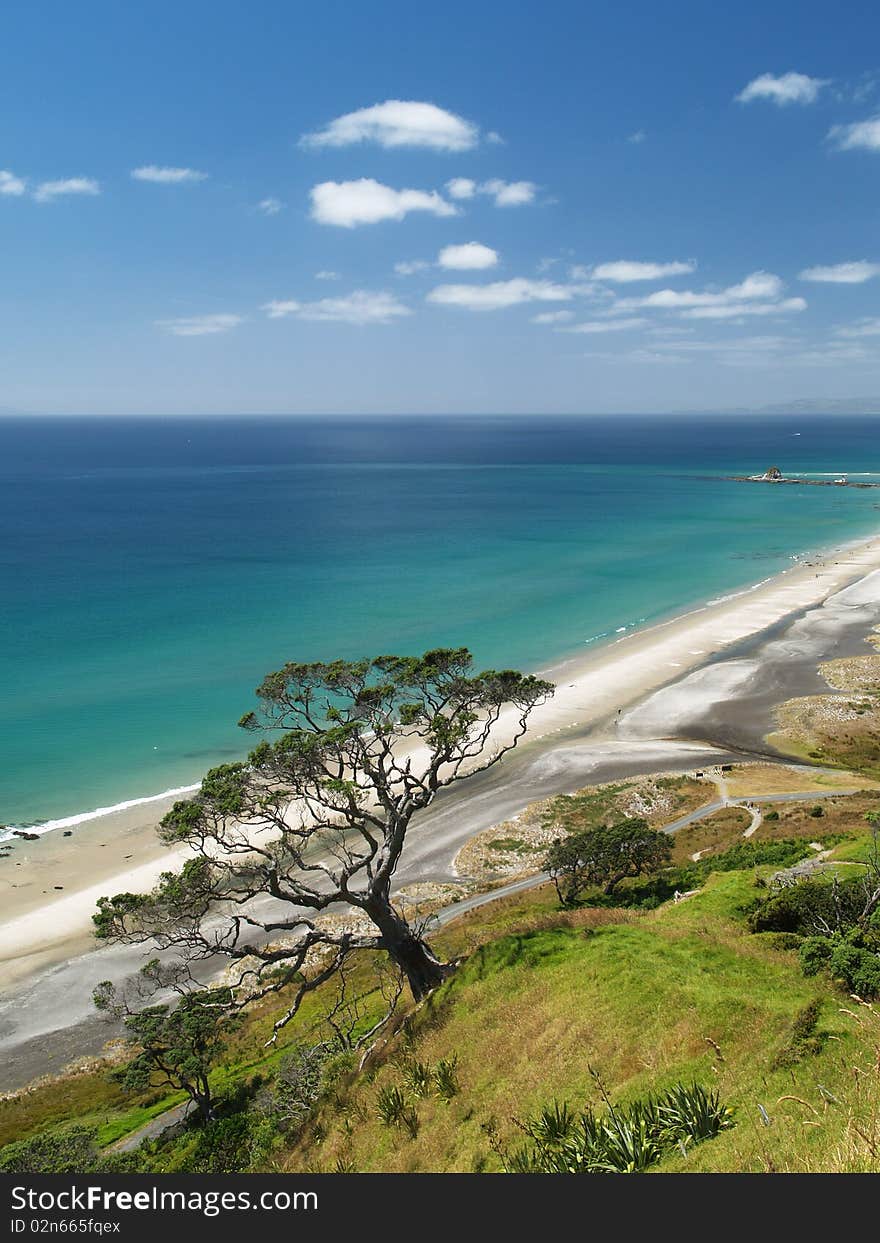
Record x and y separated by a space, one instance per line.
153 570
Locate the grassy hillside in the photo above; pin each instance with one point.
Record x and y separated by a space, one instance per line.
645 1000
566 1006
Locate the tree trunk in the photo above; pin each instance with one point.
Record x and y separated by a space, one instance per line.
423 970
201 1097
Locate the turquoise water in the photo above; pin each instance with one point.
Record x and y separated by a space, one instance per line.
152 571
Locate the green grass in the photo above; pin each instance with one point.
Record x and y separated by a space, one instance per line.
679 994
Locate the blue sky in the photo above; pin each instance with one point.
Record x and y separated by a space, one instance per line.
387 207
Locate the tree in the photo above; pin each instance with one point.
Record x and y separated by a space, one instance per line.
177 1045
318 817
605 856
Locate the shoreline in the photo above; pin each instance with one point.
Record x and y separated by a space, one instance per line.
48 903
593 646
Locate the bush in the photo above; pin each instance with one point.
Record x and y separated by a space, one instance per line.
298 1084
744 855
445 1078
814 954
54 1152
809 904
803 1039
817 811
857 967
418 1078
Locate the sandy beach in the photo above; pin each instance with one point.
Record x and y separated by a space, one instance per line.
50 886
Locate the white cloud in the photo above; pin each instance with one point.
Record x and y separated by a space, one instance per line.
734 310
500 294
553 317
759 294
350 203
280 308
10 184
867 327
164 176
398 123
326 275
860 136
270 206
468 257
854 273
409 267
461 188
607 325
638 137
200 325
509 193
46 191
625 270
788 88
505 193
360 307
759 285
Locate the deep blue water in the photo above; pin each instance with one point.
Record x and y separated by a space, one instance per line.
151 571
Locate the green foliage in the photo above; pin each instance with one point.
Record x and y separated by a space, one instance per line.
56 1152
803 1040
814 953
391 1104
817 812
393 1109
623 1140
298 1084
857 966
605 856
781 852
446 1077
808 905
418 1079
178 1046
231 1145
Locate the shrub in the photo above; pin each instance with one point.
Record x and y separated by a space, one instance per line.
803 1039
298 1084
817 811
394 1110
54 1152
621 1140
809 904
446 1079
814 954
222 1147
418 1078
857 967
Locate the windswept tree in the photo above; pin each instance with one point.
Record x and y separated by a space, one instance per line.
317 818
604 856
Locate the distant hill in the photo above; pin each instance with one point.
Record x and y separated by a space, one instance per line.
805 406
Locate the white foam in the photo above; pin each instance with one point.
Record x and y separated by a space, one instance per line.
68 822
